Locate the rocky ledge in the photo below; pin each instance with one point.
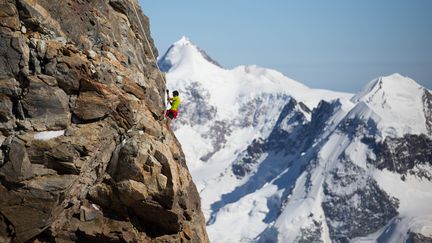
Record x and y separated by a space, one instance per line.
83 156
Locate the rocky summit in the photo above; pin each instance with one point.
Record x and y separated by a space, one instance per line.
84 157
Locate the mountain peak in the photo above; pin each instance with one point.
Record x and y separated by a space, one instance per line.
389 85
184 40
395 76
398 102
184 52
399 80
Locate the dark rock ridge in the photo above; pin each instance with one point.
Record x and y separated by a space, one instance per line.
411 154
83 157
427 108
417 238
359 212
293 133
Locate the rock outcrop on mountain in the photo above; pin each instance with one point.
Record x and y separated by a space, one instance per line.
83 156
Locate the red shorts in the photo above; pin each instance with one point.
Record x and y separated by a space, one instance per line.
172 114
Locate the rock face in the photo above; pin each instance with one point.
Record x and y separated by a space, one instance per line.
83 156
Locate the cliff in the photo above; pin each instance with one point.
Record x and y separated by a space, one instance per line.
83 156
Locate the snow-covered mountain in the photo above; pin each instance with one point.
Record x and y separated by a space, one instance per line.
223 106
276 161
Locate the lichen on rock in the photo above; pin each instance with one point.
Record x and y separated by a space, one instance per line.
114 173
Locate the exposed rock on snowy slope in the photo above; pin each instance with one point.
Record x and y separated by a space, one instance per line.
82 157
274 163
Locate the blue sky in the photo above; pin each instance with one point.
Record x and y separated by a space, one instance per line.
333 44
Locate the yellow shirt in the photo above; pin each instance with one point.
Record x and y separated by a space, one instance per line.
175 103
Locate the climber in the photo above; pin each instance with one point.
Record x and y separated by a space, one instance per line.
172 113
